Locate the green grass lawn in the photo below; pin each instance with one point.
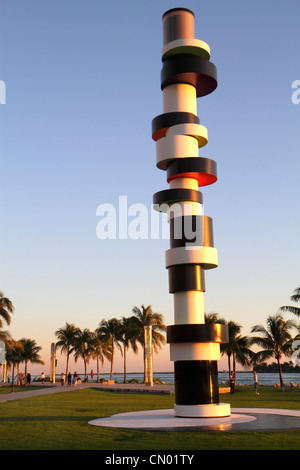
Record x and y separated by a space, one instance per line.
4 389
60 422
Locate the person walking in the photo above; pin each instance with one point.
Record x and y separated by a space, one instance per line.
69 379
75 379
62 379
255 383
92 375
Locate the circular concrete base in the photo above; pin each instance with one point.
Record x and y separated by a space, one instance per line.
241 419
217 410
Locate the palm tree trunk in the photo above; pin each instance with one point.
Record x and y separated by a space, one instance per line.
67 365
234 367
18 379
280 374
229 367
98 363
84 360
124 364
112 360
145 366
12 377
25 373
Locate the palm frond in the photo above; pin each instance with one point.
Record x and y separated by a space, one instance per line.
291 308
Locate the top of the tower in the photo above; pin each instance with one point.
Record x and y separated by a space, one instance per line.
174 10
178 23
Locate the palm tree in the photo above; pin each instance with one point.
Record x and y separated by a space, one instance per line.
6 309
66 339
237 348
30 353
109 332
213 318
276 341
83 347
5 336
129 337
14 351
101 350
294 298
145 317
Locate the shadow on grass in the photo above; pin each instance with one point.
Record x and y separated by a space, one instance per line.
21 419
6 389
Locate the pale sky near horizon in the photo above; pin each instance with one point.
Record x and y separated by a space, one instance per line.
82 82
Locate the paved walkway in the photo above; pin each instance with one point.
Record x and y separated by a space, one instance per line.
57 388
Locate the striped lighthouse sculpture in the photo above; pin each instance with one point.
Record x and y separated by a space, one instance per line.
186 75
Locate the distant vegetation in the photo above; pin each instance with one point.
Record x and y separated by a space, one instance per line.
273 368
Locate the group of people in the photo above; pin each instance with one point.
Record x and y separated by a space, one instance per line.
69 379
232 382
23 379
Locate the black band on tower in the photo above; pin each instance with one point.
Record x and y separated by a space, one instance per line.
197 333
185 68
161 123
191 229
202 169
196 382
171 196
186 277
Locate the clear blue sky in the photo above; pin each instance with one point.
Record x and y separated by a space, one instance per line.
82 86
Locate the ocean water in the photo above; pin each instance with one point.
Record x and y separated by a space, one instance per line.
267 378
242 378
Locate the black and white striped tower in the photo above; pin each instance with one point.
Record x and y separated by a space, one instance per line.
186 75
